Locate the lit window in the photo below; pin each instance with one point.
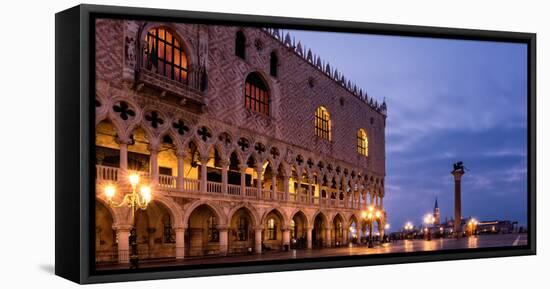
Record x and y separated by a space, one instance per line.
271 229
362 142
164 54
322 123
256 95
293 231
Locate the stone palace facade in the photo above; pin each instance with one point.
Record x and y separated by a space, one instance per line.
249 142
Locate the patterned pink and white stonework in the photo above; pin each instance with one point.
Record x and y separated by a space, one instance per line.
226 179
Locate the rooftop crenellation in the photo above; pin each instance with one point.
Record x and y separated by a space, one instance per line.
323 66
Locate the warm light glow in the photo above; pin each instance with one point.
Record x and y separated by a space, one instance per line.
387 226
371 208
134 179
377 214
369 216
110 191
364 214
146 193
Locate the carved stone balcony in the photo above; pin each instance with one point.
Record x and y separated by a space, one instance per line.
192 187
187 95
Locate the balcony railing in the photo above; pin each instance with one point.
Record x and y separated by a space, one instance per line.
233 190
105 173
167 181
191 185
250 192
213 187
112 174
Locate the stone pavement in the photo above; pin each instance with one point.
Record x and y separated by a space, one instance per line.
481 241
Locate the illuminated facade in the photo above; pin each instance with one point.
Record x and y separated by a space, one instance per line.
249 143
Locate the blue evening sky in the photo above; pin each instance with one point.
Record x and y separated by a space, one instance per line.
448 100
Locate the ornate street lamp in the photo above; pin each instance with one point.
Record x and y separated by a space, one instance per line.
134 201
472 224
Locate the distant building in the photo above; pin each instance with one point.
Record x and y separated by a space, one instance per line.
496 227
437 214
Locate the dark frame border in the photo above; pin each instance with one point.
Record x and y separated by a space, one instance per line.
75 75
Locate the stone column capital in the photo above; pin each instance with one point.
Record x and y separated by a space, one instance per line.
181 153
222 227
242 168
122 227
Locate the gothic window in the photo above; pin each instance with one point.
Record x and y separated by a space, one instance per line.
273 62
242 229
271 229
212 225
240 41
256 96
362 142
164 54
293 231
322 123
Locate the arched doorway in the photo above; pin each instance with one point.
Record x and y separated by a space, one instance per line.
318 234
241 232
156 238
353 233
105 237
338 225
298 231
202 232
273 234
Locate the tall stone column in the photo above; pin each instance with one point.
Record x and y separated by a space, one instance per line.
180 177
299 189
242 169
123 234
225 168
224 242
345 232
123 161
274 185
328 242
154 166
359 232
309 238
285 187
258 240
457 174
204 162
286 237
309 186
259 172
180 242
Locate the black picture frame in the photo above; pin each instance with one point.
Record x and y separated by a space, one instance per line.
74 86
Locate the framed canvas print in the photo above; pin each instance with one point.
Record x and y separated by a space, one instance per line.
195 144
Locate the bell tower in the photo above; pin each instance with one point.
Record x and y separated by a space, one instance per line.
437 214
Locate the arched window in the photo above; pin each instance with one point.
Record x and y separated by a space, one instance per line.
242 229
164 54
362 142
273 62
212 225
256 95
293 232
271 229
322 123
240 41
